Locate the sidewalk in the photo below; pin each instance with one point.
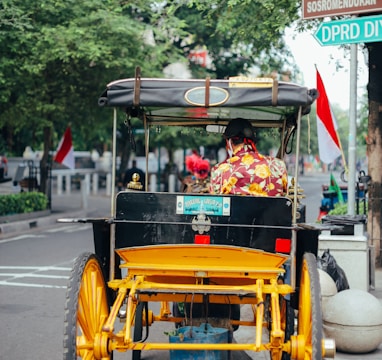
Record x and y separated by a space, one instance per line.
74 206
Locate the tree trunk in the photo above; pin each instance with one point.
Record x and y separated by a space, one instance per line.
374 145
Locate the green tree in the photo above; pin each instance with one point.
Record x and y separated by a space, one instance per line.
174 138
56 58
57 55
237 34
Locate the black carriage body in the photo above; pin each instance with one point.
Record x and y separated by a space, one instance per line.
150 218
172 218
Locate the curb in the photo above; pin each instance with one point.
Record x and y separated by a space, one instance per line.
34 222
24 216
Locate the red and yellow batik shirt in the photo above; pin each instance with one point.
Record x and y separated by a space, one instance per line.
249 173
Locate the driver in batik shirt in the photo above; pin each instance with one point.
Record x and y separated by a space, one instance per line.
246 171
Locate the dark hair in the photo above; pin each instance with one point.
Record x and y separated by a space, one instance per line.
239 129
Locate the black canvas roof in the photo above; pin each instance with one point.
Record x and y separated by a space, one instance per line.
206 101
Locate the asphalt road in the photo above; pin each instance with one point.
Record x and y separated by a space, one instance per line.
34 271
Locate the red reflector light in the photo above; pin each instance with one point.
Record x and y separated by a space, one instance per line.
283 245
202 239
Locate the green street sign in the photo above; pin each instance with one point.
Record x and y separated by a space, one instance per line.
350 31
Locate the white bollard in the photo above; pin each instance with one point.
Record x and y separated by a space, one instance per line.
68 184
108 184
95 183
153 182
87 183
84 195
59 184
171 183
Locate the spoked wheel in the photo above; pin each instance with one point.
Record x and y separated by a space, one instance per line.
309 311
138 327
86 311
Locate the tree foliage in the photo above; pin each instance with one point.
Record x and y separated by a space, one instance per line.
238 34
59 55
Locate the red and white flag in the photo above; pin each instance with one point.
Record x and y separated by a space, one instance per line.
329 145
65 151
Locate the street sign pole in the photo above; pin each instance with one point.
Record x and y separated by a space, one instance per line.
352 128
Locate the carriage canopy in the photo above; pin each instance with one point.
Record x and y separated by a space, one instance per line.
264 101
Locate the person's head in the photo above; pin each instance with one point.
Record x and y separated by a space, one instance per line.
134 163
239 131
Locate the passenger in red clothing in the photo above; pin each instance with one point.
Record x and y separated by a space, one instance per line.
246 171
198 181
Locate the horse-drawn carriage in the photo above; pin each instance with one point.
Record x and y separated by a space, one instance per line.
210 253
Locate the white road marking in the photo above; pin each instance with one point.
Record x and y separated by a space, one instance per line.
64 229
32 272
36 268
29 275
22 237
6 283
68 228
77 229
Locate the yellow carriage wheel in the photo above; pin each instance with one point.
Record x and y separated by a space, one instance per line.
86 310
309 311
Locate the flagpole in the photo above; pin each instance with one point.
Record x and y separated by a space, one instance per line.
343 155
113 211
114 161
352 128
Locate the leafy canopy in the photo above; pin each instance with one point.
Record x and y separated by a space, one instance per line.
58 56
